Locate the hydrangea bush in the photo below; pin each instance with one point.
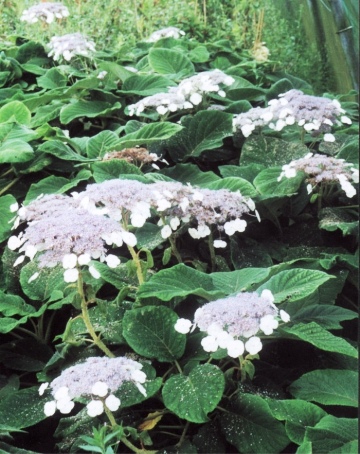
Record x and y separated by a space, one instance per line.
178 252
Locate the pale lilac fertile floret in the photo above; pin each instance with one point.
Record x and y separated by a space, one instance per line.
315 114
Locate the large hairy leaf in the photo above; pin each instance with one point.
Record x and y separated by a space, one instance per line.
192 397
168 61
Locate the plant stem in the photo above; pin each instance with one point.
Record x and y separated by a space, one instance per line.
212 252
86 318
9 185
137 262
175 250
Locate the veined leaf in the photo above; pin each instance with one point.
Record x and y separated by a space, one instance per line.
192 397
15 150
149 134
267 182
146 85
150 332
89 109
6 216
168 61
328 387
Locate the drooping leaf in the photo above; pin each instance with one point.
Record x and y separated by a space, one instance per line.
52 79
190 173
267 182
204 131
149 134
292 285
15 111
109 170
192 397
15 150
180 280
260 430
103 142
150 332
239 280
48 280
320 338
332 219
146 85
234 184
89 109
297 414
333 435
328 387
325 315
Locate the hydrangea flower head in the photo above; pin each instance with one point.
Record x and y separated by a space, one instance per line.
69 46
315 114
45 12
96 379
232 323
168 32
323 169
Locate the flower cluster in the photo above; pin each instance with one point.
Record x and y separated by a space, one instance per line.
232 323
62 232
46 12
323 169
169 32
131 201
260 53
186 95
70 45
97 378
315 114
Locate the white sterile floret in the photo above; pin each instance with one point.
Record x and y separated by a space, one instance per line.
141 389
69 261
224 339
174 223
112 261
195 99
253 345
309 188
112 402
14 207
84 259
50 408
268 324
65 406
100 389
247 129
346 120
14 243
94 272
355 174
43 387
329 137
71 275
285 317
95 408
183 325
236 225
201 232
62 393
267 294
219 244
129 238
235 348
33 277
209 344
166 232
346 186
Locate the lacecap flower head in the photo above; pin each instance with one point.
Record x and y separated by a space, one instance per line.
96 379
232 323
168 32
69 46
323 169
45 11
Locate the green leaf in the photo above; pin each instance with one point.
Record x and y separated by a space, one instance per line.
333 435
247 172
118 276
6 216
199 54
192 397
149 236
270 151
150 332
52 79
234 184
267 182
146 85
15 111
204 131
61 151
22 409
297 414
55 185
328 387
103 142
149 134
15 150
350 151
88 109
180 280
332 219
190 173
168 61
325 315
260 432
292 285
14 305
113 169
320 338
240 280
49 279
